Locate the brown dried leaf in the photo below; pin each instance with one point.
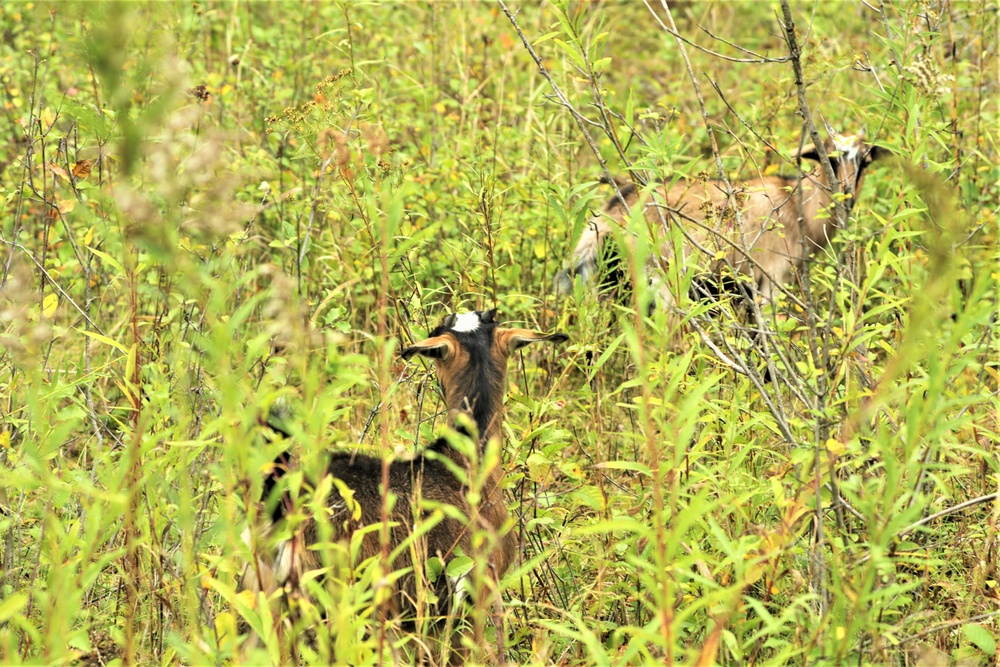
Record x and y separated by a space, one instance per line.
83 168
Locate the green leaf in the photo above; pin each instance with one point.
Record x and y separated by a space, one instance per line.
12 606
107 258
572 53
459 566
980 637
435 566
634 466
546 37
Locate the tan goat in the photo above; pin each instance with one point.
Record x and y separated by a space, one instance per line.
781 224
470 352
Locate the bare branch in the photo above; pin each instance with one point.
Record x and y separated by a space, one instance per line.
788 25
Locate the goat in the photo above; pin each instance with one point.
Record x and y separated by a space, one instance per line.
782 222
470 352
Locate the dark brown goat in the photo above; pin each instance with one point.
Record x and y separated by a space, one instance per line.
470 352
766 231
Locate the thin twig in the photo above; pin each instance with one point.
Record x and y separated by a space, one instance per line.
58 288
950 624
951 510
757 58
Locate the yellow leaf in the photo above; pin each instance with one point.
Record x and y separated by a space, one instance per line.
225 89
130 363
88 239
754 572
104 339
540 249
65 205
5 439
225 624
49 306
127 393
48 117
841 632
652 400
834 447
440 107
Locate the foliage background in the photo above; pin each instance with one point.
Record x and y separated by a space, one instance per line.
213 207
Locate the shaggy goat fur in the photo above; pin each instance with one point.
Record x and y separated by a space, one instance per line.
470 352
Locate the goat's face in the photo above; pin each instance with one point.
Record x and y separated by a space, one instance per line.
470 352
849 156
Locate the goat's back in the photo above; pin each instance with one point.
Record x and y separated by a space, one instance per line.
756 231
431 480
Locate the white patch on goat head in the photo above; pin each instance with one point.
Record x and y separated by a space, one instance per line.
848 147
466 322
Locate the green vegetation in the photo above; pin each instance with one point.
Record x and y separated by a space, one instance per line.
212 208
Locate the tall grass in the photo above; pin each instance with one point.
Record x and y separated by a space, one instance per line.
211 209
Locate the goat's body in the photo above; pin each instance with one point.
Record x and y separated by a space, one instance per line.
409 480
470 353
769 245
765 230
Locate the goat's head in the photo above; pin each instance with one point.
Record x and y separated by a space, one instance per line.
470 352
849 156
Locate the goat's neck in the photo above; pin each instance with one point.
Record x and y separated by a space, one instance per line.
480 399
818 197
484 407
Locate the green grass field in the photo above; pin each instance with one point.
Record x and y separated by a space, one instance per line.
214 208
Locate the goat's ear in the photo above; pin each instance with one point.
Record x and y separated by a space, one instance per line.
438 347
808 152
515 339
878 153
